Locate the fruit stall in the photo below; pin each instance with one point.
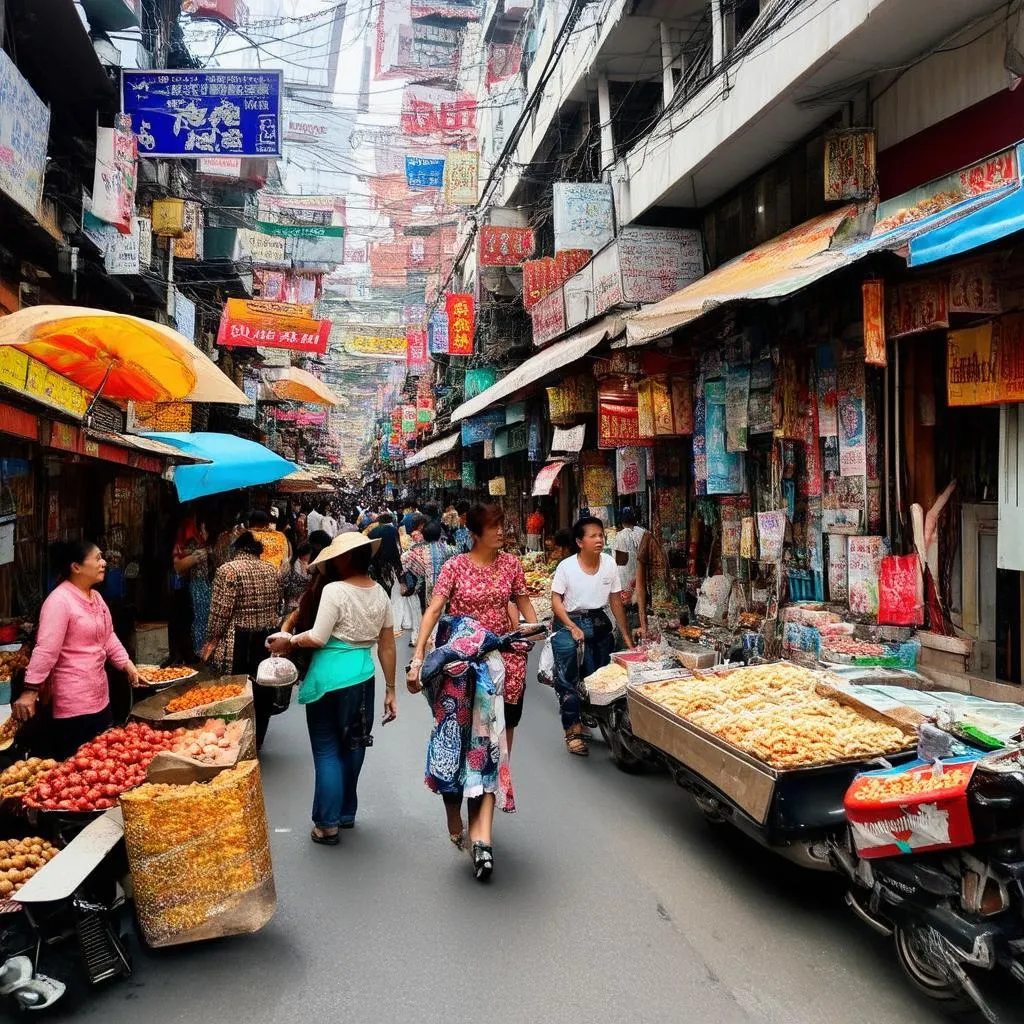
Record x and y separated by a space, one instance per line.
167 807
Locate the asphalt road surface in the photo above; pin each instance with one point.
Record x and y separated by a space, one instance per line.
612 900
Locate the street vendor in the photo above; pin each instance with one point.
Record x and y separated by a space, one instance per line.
75 640
583 587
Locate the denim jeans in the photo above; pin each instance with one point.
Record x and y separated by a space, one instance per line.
597 650
337 724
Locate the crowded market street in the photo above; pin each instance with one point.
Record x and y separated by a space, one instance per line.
611 900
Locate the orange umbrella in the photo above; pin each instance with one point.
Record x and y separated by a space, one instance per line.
119 356
297 385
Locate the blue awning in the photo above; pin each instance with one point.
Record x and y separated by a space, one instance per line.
232 463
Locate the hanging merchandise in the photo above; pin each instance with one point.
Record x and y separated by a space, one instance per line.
617 425
496 487
809 481
725 470
461 177
737 396
864 562
576 396
748 545
973 289
828 422
681 391
771 532
837 567
700 451
505 247
645 409
459 307
661 407
917 306
873 307
468 473
900 591
113 189
630 470
851 418
169 217
598 486
191 244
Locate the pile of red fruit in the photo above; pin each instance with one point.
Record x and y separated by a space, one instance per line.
99 771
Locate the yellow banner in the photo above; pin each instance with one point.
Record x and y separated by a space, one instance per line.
985 365
20 372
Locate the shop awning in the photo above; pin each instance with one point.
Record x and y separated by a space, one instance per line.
434 450
546 478
232 463
773 270
148 445
296 385
303 481
556 357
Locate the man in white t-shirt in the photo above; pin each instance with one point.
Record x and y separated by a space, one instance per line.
633 555
584 585
314 520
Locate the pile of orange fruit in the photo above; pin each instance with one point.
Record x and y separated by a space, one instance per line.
200 695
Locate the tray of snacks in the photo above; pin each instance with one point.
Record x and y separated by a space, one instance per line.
743 729
606 685
155 676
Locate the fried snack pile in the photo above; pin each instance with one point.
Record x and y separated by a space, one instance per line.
608 679
775 713
155 674
10 662
195 853
19 778
199 696
20 859
8 731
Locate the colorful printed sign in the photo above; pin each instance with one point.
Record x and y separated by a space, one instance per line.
381 346
24 135
873 311
461 177
187 114
416 356
264 248
482 427
459 308
113 188
538 280
647 265
985 364
973 289
917 306
548 317
424 171
850 165
618 425
864 562
505 247
437 333
584 215
851 418
251 323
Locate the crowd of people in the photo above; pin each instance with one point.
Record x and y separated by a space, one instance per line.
325 588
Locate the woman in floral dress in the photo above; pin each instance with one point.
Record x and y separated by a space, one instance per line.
480 585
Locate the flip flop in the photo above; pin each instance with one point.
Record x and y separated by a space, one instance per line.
325 838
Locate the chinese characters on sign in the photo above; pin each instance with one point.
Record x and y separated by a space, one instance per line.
985 364
460 324
504 247
251 323
416 350
617 425
191 114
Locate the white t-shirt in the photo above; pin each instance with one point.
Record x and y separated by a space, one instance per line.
353 614
628 540
329 525
582 592
313 521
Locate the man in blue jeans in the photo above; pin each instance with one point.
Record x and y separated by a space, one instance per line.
584 585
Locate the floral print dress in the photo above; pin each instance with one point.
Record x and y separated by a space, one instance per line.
483 593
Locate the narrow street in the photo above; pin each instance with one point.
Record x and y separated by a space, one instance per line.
612 900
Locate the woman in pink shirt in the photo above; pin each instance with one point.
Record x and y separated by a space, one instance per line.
74 641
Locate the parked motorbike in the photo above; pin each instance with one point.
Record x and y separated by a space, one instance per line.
954 915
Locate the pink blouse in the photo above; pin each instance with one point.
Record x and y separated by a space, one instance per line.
76 637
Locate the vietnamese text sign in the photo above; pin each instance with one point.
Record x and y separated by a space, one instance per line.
113 188
192 114
24 133
548 317
251 323
583 213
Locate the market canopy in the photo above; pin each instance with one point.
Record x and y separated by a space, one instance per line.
773 270
556 357
295 385
434 450
121 357
302 481
232 463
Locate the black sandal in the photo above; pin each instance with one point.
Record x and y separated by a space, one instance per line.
483 862
318 835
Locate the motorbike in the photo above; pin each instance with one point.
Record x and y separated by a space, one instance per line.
955 915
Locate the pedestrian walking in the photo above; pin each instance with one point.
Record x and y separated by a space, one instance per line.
584 585
244 611
479 586
346 615
633 557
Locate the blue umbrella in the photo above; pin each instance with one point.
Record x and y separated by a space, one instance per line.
232 462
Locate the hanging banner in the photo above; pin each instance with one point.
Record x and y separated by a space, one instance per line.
24 136
468 474
630 470
917 306
113 188
459 308
544 484
569 262
850 413
725 470
737 398
427 110
618 425
850 165
578 296
267 227
186 114
250 323
583 214
873 311
221 166
437 333
503 61
190 245
985 364
598 486
185 315
424 171
263 249
461 177
828 421
538 280
379 346
973 289
226 11
511 440
548 318
478 380
681 392
864 562
505 247
416 355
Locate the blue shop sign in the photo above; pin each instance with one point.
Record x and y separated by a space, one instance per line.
424 172
191 114
482 427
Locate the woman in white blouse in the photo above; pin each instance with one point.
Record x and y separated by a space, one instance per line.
342 616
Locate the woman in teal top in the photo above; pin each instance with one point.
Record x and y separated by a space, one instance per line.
342 615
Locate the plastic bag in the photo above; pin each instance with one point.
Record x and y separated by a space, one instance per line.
546 668
276 671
